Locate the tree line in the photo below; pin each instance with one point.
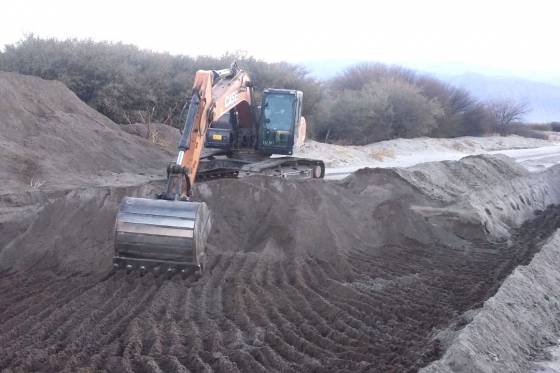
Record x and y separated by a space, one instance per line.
364 103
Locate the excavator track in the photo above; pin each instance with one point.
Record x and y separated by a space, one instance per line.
287 167
284 167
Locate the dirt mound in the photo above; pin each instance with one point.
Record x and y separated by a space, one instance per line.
157 133
51 139
514 327
356 275
430 202
68 229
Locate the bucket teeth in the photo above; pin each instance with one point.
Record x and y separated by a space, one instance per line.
168 267
158 234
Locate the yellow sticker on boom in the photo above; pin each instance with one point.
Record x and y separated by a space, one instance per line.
217 137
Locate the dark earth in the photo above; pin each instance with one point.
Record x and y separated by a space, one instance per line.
356 275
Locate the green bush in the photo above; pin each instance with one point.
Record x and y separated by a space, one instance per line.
128 84
555 126
373 102
524 130
364 103
540 126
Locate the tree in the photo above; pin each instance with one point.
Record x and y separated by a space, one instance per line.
127 84
381 110
365 103
504 112
413 114
353 117
358 76
417 105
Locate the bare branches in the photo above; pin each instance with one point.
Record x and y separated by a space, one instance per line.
505 112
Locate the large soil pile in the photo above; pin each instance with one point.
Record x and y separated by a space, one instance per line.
158 133
51 139
358 275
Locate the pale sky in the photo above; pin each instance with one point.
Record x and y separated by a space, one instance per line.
501 36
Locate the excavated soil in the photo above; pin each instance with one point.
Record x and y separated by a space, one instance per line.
158 133
516 326
373 273
357 275
49 139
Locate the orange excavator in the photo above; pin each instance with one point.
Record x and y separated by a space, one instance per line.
224 135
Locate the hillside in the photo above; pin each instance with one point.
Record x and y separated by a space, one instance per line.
52 139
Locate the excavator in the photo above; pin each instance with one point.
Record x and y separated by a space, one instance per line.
224 136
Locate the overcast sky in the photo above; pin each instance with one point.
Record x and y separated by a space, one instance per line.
509 37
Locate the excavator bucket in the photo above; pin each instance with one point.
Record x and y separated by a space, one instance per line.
161 235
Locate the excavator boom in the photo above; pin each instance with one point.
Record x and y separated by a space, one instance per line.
169 233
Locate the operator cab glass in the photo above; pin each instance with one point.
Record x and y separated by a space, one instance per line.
278 117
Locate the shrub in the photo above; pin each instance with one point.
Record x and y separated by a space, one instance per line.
520 129
365 103
373 102
127 84
555 126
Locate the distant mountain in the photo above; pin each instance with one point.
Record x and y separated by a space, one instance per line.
543 98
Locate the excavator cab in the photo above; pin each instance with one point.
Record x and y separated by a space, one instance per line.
280 121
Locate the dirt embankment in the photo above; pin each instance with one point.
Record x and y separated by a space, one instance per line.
160 134
51 140
357 275
510 332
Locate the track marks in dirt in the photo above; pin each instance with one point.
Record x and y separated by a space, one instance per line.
251 313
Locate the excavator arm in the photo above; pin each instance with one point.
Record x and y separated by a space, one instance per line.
169 233
214 94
